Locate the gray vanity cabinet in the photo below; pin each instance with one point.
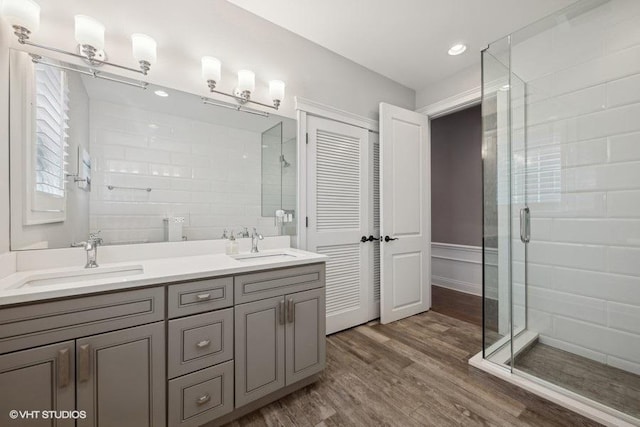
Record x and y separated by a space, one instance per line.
305 335
121 377
280 339
39 379
260 329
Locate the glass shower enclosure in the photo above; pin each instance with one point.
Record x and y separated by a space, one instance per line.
561 166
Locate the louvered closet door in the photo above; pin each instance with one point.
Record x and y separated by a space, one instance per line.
339 211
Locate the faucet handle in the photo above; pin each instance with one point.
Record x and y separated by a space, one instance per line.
95 238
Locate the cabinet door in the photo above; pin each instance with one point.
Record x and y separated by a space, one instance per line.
305 334
40 379
259 355
121 377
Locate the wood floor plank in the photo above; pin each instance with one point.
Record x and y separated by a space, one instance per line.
413 372
457 304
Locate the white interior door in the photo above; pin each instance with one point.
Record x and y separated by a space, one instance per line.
339 215
405 206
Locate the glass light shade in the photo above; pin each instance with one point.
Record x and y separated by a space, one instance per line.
144 48
246 80
22 13
276 90
89 31
211 68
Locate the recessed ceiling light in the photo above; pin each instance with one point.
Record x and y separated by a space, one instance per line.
161 93
457 49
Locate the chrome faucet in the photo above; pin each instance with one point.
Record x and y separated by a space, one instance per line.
91 246
255 237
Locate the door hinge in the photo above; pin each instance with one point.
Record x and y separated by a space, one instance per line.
307 137
306 222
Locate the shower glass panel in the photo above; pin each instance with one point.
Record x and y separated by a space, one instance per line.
561 155
271 170
279 159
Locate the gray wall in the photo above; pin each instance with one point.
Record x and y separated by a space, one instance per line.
456 180
465 80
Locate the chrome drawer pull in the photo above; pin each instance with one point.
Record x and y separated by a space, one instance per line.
83 363
203 297
203 399
203 343
64 367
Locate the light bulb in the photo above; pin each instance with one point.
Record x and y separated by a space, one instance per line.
22 13
246 80
211 68
276 90
89 32
144 48
457 49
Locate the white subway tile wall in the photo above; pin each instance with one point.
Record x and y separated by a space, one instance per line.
206 173
583 104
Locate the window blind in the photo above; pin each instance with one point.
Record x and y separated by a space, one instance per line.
51 130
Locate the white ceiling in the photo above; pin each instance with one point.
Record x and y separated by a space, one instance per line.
404 40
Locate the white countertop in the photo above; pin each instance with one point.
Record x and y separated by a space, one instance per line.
155 271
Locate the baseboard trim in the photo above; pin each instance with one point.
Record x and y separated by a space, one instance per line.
457 267
456 285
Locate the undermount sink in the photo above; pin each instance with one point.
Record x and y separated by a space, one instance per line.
261 256
48 279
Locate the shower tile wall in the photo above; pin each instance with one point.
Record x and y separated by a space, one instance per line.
583 183
207 173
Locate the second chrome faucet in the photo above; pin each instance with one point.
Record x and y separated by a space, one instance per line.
255 237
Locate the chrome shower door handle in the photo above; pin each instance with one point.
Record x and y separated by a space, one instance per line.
525 225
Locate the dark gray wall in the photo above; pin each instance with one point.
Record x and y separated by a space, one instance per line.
456 178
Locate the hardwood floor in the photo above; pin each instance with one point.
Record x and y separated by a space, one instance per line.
457 304
614 387
413 372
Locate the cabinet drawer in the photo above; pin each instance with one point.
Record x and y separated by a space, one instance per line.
200 341
37 324
272 283
198 398
200 296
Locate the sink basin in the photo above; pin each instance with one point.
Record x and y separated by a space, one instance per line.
261 256
48 279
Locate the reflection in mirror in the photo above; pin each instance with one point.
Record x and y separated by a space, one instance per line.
90 155
279 176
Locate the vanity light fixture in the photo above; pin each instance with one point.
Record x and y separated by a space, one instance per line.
24 17
457 49
211 73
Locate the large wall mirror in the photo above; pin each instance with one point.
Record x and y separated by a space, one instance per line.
139 165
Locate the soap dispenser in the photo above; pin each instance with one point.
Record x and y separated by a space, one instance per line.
232 245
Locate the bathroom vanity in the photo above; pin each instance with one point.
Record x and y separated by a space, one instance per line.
213 340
